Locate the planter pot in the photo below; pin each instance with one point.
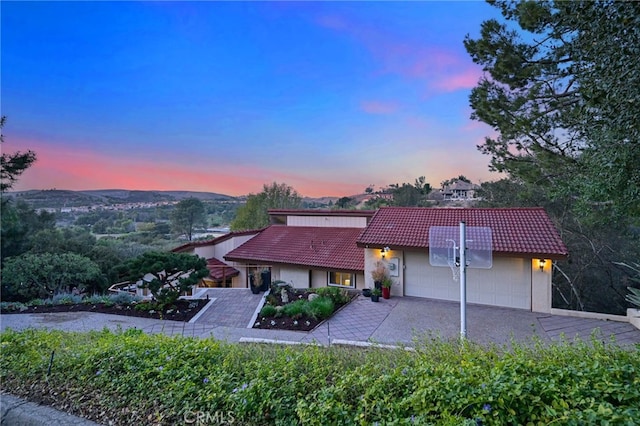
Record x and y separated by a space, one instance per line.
266 280
378 284
366 292
255 290
375 298
386 292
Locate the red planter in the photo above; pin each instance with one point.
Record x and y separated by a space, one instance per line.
386 292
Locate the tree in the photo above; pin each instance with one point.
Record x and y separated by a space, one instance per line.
12 165
19 223
344 202
167 275
562 89
254 214
188 214
408 195
563 93
30 276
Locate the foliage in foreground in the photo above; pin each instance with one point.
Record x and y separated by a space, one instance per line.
133 378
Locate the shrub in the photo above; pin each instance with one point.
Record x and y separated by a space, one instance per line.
95 299
320 308
66 299
35 302
122 298
441 382
147 306
338 295
295 309
12 306
268 311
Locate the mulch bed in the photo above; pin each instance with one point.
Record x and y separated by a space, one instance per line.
182 310
287 323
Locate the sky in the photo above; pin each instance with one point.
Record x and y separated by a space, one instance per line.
327 97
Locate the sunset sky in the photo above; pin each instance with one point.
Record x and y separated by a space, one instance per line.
328 97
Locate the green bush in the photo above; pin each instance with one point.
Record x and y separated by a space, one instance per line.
123 298
66 299
320 308
296 309
268 311
338 295
133 378
13 306
95 299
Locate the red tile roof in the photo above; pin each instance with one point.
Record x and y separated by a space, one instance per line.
527 231
213 241
320 247
219 270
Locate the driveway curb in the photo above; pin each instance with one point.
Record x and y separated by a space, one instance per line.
19 412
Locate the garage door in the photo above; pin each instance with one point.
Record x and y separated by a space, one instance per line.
507 283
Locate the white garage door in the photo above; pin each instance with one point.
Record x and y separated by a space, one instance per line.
507 283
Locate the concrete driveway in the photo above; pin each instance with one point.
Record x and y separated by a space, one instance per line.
399 320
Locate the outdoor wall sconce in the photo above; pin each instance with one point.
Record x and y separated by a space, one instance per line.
541 263
384 251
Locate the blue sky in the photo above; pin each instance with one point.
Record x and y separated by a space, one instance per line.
328 97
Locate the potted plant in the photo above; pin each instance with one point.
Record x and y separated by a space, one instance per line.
386 287
375 295
255 282
378 274
366 292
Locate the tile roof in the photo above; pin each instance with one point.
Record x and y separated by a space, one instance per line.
218 270
515 230
321 247
213 241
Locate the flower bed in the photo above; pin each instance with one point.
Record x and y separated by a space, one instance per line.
287 308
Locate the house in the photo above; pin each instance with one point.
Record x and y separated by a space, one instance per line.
309 248
525 243
319 248
221 274
459 190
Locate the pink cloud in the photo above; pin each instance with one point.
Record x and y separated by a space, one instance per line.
66 167
466 79
440 68
378 107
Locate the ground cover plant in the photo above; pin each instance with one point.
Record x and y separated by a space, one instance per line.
117 304
287 308
130 378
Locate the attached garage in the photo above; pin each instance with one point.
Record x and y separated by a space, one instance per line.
507 284
524 245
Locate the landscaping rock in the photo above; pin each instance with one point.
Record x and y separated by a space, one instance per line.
313 296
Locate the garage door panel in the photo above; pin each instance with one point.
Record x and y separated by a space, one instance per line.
506 284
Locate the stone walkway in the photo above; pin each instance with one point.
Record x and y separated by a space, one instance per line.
233 307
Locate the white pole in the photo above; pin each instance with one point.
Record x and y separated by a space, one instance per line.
463 280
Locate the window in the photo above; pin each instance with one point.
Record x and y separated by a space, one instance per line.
342 279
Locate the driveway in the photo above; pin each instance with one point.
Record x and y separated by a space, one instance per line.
399 320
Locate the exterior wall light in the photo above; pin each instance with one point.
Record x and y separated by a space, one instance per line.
384 251
541 263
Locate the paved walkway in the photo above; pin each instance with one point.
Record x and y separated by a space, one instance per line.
399 320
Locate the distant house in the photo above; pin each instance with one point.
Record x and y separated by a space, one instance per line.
459 190
319 248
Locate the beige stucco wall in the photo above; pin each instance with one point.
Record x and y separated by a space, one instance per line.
509 278
299 277
541 286
327 221
372 256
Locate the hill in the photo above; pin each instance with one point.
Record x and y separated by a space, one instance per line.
57 198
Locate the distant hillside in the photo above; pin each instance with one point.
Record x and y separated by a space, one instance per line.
56 198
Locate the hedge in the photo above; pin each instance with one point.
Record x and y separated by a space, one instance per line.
131 378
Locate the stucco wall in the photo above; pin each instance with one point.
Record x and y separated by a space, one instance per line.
514 282
327 221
